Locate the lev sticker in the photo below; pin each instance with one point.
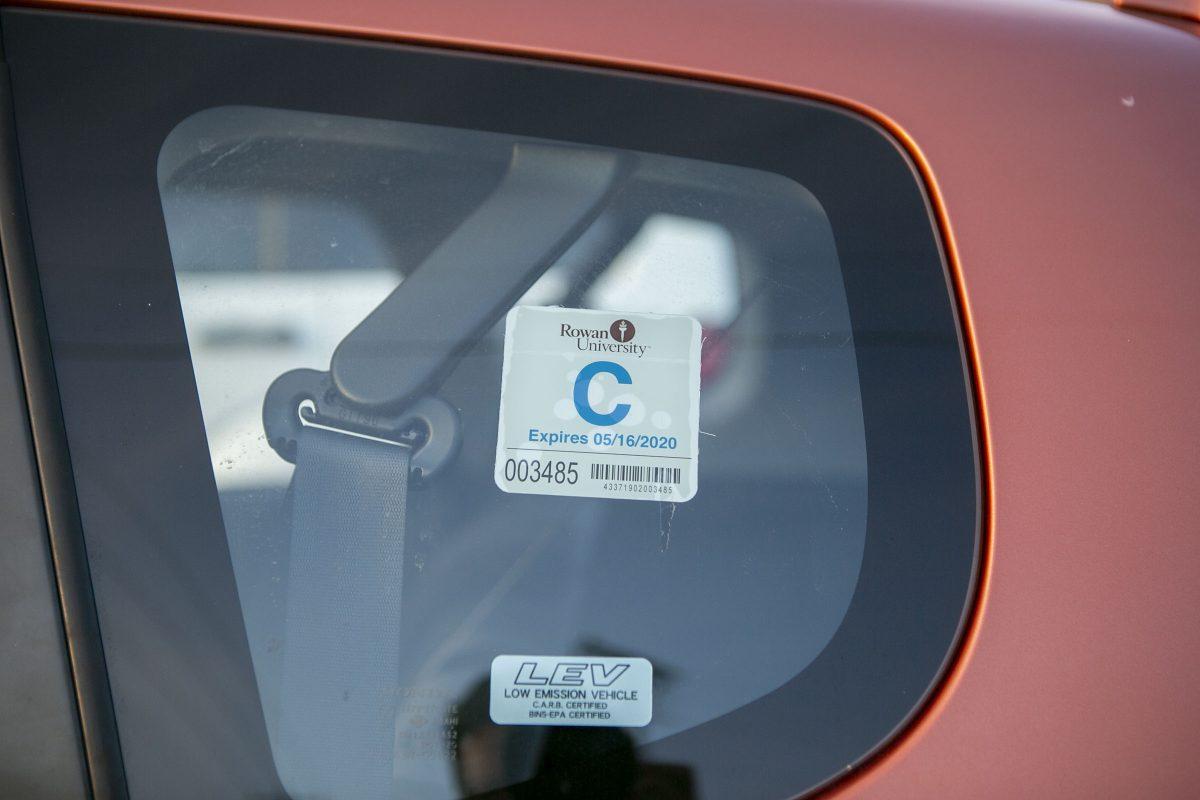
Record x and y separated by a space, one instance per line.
571 690
598 404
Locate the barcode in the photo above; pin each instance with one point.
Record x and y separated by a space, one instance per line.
635 474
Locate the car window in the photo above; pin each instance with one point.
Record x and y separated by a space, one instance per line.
445 425
485 573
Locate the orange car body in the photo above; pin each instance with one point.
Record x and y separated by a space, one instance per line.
1058 141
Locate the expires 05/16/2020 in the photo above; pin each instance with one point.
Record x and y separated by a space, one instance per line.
599 404
571 690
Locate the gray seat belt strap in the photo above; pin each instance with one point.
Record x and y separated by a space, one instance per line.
342 634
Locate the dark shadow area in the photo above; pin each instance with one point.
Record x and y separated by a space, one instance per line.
584 763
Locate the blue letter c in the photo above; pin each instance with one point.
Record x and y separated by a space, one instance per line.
581 393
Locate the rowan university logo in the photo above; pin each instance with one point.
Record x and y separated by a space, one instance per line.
622 330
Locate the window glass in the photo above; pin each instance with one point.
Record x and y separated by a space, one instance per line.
287 229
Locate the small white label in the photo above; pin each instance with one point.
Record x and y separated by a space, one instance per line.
599 404
571 690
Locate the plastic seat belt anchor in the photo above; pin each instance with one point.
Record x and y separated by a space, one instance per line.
549 196
304 398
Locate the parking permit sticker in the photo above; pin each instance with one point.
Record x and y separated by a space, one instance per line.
599 404
571 690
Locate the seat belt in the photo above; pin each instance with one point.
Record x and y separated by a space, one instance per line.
360 432
342 647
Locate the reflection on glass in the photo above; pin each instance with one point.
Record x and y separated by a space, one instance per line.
288 228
